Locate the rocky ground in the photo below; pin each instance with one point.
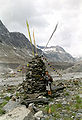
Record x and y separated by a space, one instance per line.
64 105
68 105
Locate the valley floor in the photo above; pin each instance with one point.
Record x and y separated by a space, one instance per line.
66 105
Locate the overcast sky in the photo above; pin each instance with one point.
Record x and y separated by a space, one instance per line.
42 16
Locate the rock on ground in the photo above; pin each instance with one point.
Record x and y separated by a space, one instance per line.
38 115
18 113
11 105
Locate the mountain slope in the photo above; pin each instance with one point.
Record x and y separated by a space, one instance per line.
15 39
14 46
57 53
77 67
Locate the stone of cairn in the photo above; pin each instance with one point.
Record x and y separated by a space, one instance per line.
35 77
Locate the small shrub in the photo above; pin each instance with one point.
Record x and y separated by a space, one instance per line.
67 108
2 111
3 104
59 105
7 98
66 94
56 115
78 99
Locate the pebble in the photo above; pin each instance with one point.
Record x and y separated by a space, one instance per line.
80 95
64 102
1 101
38 115
78 115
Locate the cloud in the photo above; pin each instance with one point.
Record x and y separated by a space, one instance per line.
43 16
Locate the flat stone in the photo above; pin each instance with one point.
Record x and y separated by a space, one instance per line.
1 101
18 113
78 115
80 111
32 108
10 105
38 115
80 95
29 117
64 103
8 94
42 97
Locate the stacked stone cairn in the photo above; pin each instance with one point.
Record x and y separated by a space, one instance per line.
33 88
35 77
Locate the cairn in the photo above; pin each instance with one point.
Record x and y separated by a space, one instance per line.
34 87
35 77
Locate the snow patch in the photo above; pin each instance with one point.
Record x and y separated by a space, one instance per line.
60 51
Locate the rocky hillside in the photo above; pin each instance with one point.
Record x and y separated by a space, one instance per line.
14 46
79 59
77 67
57 53
14 39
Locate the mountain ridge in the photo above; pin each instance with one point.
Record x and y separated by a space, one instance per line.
21 48
57 53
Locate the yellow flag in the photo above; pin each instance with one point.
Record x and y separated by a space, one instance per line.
35 43
27 65
30 36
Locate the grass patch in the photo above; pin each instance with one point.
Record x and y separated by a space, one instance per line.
59 105
17 94
78 99
1 107
67 108
12 90
78 104
56 115
67 118
3 104
66 94
1 95
2 111
53 108
7 98
46 109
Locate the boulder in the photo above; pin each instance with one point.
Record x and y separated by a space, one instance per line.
29 117
18 113
10 105
38 115
1 101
